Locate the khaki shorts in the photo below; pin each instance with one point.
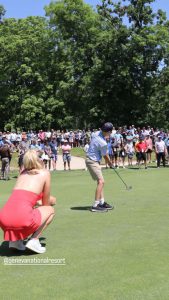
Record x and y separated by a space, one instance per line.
94 169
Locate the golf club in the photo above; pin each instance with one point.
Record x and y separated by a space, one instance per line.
128 188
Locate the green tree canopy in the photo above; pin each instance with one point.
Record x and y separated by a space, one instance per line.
77 65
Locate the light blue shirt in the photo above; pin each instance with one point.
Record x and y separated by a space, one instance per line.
97 147
35 147
167 141
1 143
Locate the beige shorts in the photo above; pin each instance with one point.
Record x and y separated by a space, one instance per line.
94 169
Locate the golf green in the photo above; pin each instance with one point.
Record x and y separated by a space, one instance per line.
119 255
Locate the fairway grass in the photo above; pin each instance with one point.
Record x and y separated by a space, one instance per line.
119 255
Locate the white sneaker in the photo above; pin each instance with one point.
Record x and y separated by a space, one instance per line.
19 245
34 245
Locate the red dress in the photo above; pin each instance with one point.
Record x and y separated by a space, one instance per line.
18 218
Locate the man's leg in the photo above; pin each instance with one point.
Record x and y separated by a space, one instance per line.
6 172
68 162
163 158
96 173
145 160
158 160
64 161
139 159
53 163
3 168
99 189
99 196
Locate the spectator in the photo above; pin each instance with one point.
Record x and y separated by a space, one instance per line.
41 135
71 138
149 144
86 147
122 155
129 147
116 144
5 156
54 151
34 145
160 149
110 151
167 145
46 156
22 148
141 148
66 148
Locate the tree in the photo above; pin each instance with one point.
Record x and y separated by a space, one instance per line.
129 58
75 27
2 13
78 66
24 56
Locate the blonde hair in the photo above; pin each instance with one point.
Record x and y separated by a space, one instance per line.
31 160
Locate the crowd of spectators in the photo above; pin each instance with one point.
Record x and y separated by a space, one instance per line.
123 145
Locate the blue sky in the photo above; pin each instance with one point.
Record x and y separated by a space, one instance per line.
25 8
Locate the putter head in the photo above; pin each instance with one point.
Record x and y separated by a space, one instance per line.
129 188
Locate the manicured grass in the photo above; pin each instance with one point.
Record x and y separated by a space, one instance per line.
78 152
119 255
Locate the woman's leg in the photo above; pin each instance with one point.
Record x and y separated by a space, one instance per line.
68 162
124 161
64 161
49 164
47 214
54 163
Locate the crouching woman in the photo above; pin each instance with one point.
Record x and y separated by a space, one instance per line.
20 218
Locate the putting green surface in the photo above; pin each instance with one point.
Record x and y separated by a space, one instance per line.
119 255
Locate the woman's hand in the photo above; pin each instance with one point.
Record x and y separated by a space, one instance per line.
52 200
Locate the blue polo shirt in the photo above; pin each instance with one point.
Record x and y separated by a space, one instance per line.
1 143
97 147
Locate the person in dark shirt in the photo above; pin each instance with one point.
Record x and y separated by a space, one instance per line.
53 146
5 156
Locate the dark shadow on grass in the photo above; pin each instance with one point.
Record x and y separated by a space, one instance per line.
152 167
41 239
9 252
81 208
133 168
6 251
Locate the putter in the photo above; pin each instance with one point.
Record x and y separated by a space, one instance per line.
128 187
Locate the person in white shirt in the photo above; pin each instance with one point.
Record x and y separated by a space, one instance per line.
113 132
129 147
13 137
48 134
160 149
86 147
